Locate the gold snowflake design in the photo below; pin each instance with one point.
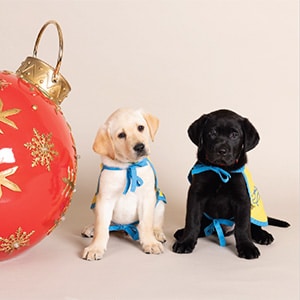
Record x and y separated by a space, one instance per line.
15 241
43 151
7 183
4 84
4 114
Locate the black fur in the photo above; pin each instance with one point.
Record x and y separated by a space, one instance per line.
223 138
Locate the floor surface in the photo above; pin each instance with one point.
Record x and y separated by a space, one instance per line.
53 269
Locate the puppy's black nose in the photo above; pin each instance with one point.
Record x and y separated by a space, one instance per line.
222 151
139 148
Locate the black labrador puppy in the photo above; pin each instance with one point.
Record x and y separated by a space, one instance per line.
218 197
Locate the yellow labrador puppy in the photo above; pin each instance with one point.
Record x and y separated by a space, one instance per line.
127 198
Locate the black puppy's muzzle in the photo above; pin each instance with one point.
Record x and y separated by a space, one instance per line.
221 154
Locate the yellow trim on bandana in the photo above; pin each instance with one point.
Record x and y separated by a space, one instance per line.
258 214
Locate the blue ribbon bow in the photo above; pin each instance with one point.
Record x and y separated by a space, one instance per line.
215 225
132 179
128 228
224 175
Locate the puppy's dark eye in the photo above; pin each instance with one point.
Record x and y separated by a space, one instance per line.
122 135
213 133
141 128
234 135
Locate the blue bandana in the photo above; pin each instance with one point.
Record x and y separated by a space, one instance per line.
133 181
224 175
258 215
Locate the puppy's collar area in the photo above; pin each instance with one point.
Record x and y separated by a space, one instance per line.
224 175
132 179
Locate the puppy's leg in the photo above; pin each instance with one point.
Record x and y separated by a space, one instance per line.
103 212
245 247
187 238
148 241
158 222
242 232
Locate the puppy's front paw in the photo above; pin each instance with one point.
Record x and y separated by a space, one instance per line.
93 253
248 251
185 247
153 248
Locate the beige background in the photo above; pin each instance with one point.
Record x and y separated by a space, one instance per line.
177 60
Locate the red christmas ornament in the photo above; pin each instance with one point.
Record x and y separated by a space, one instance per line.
37 152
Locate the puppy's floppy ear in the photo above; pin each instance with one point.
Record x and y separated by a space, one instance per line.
195 131
103 144
251 136
152 123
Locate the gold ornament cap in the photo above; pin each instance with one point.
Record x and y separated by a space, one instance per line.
46 78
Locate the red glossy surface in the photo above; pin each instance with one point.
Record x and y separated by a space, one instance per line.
36 186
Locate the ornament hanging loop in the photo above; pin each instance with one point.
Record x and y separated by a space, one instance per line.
47 79
60 50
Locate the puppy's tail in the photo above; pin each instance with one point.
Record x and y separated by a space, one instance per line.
278 223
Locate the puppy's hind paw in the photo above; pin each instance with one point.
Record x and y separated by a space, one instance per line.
160 236
262 237
186 247
92 253
178 234
88 231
